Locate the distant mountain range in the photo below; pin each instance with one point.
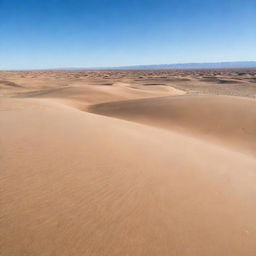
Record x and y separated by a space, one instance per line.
208 65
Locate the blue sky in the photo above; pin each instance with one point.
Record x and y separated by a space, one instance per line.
96 33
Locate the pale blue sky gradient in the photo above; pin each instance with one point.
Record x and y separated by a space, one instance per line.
97 33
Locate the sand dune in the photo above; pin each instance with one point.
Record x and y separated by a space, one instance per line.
148 173
224 119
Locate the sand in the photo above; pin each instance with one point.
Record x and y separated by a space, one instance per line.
128 163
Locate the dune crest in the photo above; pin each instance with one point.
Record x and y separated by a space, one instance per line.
223 119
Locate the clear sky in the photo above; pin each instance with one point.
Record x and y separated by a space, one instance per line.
96 33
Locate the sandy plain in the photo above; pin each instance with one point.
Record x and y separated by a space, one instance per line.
149 162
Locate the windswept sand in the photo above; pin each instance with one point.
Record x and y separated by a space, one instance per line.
104 163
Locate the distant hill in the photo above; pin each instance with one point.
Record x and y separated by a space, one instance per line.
207 65
238 64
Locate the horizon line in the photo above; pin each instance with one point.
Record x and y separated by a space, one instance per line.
144 66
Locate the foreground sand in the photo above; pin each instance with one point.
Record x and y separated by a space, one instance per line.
102 164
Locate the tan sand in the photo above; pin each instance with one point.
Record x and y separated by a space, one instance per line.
224 119
166 175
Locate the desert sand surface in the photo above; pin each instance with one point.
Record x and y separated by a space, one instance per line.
115 162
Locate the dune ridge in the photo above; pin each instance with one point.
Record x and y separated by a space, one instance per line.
225 119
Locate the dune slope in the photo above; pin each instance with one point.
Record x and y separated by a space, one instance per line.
76 183
223 119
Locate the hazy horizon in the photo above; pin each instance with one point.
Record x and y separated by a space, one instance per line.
188 65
